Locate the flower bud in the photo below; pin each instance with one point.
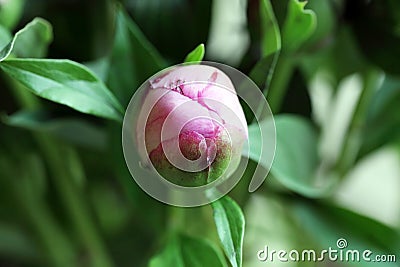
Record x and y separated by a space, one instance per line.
194 126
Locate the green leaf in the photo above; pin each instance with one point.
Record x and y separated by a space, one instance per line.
64 128
320 221
5 36
172 26
383 120
14 242
299 25
295 138
198 252
31 41
10 12
32 175
326 20
261 150
196 55
377 30
269 221
230 223
185 251
27 188
133 59
341 58
263 71
271 37
110 210
100 67
65 82
37 173
169 257
256 141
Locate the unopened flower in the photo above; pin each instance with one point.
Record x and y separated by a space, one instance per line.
194 125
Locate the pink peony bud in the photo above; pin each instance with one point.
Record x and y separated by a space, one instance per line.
194 125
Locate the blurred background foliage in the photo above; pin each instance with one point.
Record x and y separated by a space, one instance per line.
329 70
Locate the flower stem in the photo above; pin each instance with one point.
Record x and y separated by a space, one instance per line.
353 139
58 247
75 204
279 82
61 252
72 197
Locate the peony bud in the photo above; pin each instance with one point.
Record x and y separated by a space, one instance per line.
194 125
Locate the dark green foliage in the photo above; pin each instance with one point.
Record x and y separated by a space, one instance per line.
67 198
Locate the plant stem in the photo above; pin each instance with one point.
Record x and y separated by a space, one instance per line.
279 82
72 198
61 251
69 192
352 143
176 219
